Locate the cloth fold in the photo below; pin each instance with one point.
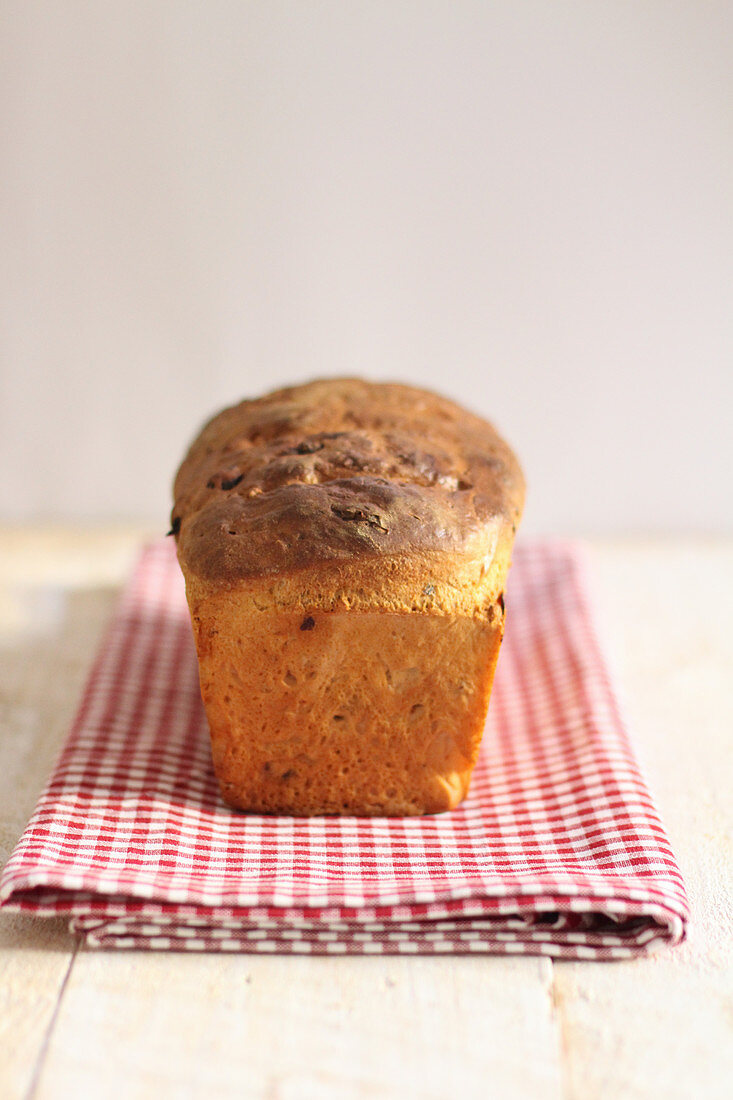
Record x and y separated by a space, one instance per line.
558 849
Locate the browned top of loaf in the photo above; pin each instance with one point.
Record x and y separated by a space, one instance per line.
338 469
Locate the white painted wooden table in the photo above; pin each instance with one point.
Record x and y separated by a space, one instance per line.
78 1023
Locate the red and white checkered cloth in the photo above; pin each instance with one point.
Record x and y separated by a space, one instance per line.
558 850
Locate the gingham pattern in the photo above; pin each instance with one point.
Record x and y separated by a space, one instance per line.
558 850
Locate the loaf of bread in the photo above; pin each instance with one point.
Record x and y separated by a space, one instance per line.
345 546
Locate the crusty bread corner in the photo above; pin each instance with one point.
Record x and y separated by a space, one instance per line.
345 547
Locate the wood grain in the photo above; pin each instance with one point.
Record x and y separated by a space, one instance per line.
321 1029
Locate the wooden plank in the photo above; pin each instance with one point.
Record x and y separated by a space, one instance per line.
35 957
305 1028
48 634
664 1026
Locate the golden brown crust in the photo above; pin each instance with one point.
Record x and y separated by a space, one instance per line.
345 546
341 471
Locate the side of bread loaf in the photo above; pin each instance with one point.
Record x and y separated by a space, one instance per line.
345 546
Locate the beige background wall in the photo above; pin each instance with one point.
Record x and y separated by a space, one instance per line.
526 205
